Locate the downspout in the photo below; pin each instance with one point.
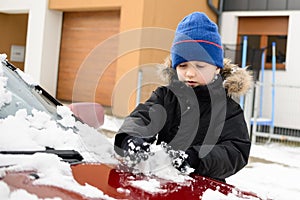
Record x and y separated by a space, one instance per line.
218 10
139 87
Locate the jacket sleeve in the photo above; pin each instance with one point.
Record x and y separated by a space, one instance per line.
144 122
229 155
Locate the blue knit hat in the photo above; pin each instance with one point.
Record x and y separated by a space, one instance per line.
197 39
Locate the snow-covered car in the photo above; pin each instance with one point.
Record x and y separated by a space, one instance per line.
48 152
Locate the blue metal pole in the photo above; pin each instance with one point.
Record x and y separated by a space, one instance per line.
273 80
244 57
262 82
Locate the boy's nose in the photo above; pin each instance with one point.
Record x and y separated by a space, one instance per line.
190 72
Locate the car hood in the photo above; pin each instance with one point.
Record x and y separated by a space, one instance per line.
117 184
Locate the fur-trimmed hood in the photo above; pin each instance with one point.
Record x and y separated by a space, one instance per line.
237 81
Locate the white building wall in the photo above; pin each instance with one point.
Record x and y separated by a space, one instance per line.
287 106
43 39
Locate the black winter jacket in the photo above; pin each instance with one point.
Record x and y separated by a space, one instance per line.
203 121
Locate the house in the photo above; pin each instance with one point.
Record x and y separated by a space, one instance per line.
264 22
87 50
106 51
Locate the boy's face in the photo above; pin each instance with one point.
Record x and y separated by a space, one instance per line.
195 73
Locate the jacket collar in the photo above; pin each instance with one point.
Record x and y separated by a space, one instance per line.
236 81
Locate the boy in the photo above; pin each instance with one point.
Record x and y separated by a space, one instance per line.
194 113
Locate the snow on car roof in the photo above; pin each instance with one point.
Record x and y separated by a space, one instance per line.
28 79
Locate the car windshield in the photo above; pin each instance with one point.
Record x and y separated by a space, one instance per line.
23 95
40 122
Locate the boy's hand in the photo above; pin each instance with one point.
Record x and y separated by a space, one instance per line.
178 157
136 150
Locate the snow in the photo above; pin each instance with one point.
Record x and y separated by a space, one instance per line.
159 164
67 120
123 190
4 94
37 130
284 155
274 175
112 123
215 195
6 194
151 185
34 132
28 79
277 178
51 171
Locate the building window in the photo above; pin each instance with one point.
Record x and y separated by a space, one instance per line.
256 44
261 32
281 41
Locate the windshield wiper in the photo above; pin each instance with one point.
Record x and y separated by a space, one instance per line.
70 156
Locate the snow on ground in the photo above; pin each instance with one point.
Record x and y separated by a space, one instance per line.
274 172
111 123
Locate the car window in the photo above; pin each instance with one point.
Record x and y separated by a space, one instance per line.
24 96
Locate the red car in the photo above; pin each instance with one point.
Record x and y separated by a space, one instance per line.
107 180
118 185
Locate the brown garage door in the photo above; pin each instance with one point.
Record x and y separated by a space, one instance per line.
86 65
